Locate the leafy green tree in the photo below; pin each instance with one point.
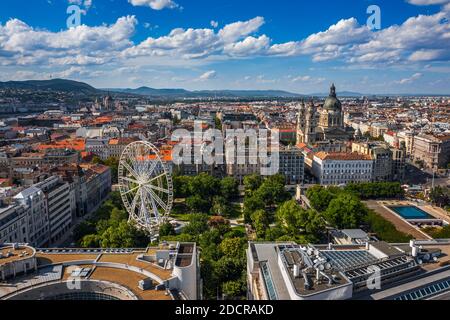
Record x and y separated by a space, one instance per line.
166 229
220 206
376 190
313 224
183 237
440 196
83 229
234 288
102 226
181 186
252 183
252 204
204 186
320 197
261 223
273 191
113 164
123 236
229 268
298 222
198 224
274 233
288 217
235 233
117 216
346 212
104 212
210 279
384 229
198 204
90 241
229 188
233 247
116 200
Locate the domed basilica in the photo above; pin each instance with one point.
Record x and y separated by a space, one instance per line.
324 124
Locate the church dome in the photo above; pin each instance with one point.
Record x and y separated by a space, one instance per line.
332 102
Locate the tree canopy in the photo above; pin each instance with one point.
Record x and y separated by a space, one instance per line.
109 228
207 194
346 211
440 196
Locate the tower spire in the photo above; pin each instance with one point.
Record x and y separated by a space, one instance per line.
333 90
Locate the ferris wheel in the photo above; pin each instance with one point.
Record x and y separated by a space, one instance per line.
145 185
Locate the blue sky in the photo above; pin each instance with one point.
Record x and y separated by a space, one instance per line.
300 46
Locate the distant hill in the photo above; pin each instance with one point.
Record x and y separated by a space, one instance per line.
146 91
341 94
54 84
181 93
82 88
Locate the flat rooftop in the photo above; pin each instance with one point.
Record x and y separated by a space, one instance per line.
129 280
411 286
124 267
128 258
9 254
306 283
266 252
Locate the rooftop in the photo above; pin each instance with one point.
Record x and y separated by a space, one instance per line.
343 156
123 267
9 254
306 282
355 233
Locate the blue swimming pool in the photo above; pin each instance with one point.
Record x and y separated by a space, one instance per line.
411 213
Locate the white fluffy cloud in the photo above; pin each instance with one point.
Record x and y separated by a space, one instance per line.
155 4
233 39
235 31
21 44
411 79
425 38
208 75
427 2
248 46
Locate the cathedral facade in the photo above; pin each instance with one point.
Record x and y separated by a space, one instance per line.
324 124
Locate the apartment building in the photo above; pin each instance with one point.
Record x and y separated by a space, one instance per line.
292 165
433 151
50 157
389 163
60 201
108 148
13 223
96 186
38 222
342 168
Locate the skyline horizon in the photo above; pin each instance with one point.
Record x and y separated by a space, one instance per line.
300 94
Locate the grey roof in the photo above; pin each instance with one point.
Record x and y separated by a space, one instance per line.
27 192
355 233
267 252
387 249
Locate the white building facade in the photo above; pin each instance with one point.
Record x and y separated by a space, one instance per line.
342 168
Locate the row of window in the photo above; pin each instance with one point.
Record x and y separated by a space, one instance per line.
348 165
347 172
426 292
